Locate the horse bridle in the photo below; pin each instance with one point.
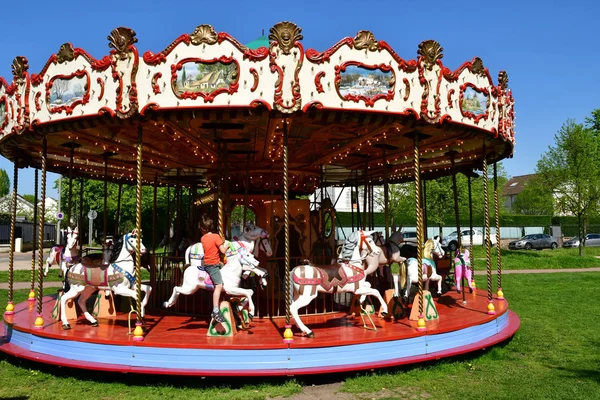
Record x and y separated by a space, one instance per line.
363 239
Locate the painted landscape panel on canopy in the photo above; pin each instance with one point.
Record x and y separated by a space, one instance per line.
66 91
360 81
3 114
202 77
474 102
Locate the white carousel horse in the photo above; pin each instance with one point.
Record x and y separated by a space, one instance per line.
462 268
240 260
350 275
432 247
118 276
64 255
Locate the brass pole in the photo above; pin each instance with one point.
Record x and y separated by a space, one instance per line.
31 296
81 216
118 219
168 241
70 199
358 213
287 335
417 173
39 321
220 210
365 189
471 235
385 195
246 187
424 200
10 308
488 250
105 222
138 332
457 219
499 293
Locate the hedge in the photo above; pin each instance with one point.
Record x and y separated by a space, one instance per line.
345 219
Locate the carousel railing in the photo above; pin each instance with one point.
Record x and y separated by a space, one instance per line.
167 272
323 304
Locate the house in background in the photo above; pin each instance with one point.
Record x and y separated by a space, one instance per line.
25 207
513 187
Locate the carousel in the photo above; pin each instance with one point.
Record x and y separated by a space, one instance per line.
266 127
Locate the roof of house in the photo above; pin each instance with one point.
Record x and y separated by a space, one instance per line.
516 184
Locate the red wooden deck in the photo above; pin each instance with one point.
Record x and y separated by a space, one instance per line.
175 331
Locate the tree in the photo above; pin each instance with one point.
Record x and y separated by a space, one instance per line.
4 183
439 201
401 201
60 87
535 199
572 170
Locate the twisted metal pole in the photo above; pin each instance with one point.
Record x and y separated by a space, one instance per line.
39 321
287 334
138 333
105 213
220 211
417 171
10 308
70 188
471 235
386 198
118 219
457 219
31 296
80 223
499 293
488 249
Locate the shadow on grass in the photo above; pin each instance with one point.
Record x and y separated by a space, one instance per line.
185 382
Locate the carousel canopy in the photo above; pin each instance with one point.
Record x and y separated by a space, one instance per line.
208 106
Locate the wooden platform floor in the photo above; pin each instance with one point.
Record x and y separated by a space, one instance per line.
175 331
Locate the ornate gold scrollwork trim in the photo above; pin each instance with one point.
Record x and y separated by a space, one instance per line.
285 34
120 39
204 34
431 51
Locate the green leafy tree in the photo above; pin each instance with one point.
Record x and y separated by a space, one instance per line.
4 183
535 199
401 202
30 198
571 168
439 201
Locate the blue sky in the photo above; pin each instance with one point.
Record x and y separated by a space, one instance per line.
549 48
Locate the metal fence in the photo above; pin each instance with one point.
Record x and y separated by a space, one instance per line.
24 230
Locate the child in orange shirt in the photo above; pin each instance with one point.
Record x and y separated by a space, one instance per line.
213 246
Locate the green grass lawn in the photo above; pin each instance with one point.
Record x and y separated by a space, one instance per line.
539 259
25 276
554 355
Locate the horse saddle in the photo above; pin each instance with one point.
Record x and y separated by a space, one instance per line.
95 260
95 276
330 276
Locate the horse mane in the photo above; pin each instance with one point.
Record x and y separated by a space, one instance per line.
427 249
349 245
116 250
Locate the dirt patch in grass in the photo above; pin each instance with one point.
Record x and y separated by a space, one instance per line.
332 391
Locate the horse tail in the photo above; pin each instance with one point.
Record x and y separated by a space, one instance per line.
403 275
187 255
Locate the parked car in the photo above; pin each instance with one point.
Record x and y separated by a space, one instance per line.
537 241
410 237
591 240
451 241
